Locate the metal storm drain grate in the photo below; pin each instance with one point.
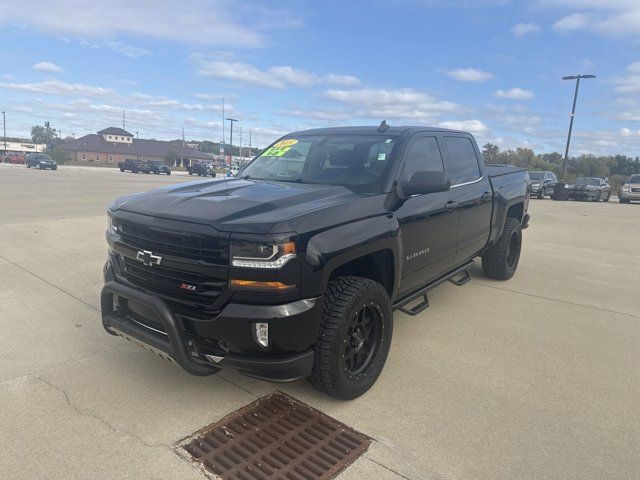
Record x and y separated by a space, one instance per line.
276 437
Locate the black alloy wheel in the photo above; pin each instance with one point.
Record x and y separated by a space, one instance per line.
362 338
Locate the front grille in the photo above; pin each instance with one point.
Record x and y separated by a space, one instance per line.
635 190
191 246
169 282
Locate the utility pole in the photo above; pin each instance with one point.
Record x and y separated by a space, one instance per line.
250 150
136 135
182 137
123 123
4 129
573 113
241 155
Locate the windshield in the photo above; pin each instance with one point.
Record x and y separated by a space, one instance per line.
634 179
357 162
156 162
536 175
43 157
587 181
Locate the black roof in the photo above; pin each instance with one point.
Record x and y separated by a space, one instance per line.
115 131
153 148
372 130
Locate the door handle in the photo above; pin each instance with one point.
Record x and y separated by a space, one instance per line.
451 205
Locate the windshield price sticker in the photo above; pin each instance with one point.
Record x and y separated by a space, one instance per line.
280 148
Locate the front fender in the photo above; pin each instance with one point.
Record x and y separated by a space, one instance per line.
332 248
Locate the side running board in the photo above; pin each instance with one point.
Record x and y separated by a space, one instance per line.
458 277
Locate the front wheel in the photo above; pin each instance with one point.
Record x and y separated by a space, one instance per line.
541 194
354 338
606 199
501 260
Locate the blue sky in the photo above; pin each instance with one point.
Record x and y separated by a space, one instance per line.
493 67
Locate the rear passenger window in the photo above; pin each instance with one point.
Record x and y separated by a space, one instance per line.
422 155
463 163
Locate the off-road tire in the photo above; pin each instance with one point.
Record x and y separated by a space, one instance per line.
606 199
345 297
624 200
496 262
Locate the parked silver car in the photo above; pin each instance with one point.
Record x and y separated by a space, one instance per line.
630 190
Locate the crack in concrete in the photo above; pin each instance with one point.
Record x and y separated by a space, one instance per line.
93 416
50 283
566 302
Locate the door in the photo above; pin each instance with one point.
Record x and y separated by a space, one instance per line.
472 190
427 224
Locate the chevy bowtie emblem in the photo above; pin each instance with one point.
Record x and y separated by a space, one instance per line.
148 258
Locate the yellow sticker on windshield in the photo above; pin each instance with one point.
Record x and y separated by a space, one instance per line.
280 148
286 143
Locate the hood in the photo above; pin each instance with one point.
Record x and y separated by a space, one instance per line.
236 205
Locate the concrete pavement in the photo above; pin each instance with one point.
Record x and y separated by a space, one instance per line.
533 378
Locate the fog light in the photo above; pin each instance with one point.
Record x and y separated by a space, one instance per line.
261 334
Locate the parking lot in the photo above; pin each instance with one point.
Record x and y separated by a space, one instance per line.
533 378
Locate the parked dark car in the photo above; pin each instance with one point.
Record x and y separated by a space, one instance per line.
542 183
41 161
134 165
158 167
293 268
630 190
589 188
201 169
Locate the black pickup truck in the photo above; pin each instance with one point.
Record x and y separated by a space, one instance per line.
293 268
134 166
201 169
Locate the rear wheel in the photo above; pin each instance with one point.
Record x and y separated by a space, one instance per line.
501 260
599 197
354 338
541 193
624 200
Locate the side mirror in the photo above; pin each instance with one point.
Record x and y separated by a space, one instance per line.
424 182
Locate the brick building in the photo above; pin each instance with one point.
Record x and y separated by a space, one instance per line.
113 145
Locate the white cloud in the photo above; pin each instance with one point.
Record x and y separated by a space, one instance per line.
404 104
521 29
55 87
615 18
629 83
476 127
634 67
47 67
625 132
278 77
198 22
514 93
469 75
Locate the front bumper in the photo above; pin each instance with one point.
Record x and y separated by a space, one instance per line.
191 348
583 194
629 195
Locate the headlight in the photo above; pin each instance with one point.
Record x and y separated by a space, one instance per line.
111 229
536 185
591 187
571 185
626 189
261 255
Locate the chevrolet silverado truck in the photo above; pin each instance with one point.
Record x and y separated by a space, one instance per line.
294 268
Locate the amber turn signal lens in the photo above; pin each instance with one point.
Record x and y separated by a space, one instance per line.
260 286
289 247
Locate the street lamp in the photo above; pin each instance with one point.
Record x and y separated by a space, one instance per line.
231 121
4 130
573 113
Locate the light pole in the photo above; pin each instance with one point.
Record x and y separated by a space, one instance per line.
231 121
573 113
4 131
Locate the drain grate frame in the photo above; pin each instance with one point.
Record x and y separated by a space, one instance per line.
274 438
